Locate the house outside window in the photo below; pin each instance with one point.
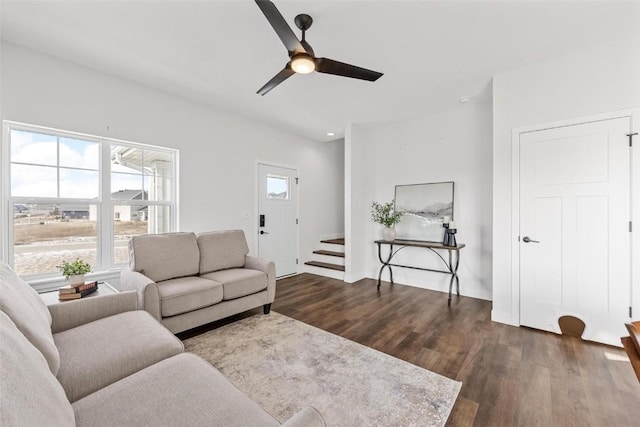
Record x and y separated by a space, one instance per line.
71 196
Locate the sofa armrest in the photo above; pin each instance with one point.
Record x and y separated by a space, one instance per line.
146 290
70 314
307 417
268 267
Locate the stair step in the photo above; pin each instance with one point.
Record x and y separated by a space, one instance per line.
329 253
325 265
334 241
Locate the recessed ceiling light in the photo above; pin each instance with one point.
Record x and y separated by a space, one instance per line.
464 100
331 134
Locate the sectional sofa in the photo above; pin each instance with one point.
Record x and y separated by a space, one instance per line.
101 362
185 280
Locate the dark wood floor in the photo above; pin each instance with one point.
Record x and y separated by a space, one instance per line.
511 376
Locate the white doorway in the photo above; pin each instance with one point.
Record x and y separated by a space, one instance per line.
573 227
278 217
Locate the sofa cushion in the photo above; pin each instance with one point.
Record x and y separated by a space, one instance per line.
179 391
239 282
222 249
30 314
164 256
186 294
102 352
30 395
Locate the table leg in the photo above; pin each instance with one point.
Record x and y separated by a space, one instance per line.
385 264
453 276
455 272
453 269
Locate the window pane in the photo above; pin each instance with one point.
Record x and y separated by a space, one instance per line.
128 183
277 187
126 159
158 187
154 160
134 220
47 234
36 148
79 154
34 181
79 184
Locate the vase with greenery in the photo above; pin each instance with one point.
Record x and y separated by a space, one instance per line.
74 271
386 215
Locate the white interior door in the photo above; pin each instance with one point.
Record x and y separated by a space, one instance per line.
278 212
575 212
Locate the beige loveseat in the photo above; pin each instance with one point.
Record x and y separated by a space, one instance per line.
100 362
186 280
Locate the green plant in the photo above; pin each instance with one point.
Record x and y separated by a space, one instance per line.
385 214
73 268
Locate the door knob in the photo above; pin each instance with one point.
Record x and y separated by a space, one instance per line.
263 232
526 239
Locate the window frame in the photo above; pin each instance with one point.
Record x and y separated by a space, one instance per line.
105 205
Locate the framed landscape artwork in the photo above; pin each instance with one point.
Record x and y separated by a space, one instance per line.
423 206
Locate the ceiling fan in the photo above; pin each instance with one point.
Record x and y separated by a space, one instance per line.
302 59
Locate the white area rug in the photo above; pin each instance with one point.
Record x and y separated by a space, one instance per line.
284 365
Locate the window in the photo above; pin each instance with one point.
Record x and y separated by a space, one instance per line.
277 187
71 196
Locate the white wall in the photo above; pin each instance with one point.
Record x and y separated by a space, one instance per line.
454 146
357 186
602 79
218 152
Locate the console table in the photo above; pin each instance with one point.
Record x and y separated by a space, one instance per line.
451 265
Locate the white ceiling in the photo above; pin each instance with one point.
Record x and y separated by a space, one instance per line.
220 52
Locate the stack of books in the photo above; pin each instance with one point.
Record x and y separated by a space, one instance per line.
70 292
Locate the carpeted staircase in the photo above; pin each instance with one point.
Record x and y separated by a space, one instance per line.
328 259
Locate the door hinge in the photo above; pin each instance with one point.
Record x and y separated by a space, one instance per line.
630 312
296 221
631 135
296 180
630 226
296 261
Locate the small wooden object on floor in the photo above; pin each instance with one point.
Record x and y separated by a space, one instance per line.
632 346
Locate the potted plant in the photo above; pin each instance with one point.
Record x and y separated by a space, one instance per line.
386 215
74 271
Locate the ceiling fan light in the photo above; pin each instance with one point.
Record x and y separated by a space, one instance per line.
303 64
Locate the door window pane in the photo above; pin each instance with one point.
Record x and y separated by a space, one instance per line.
277 187
47 234
134 220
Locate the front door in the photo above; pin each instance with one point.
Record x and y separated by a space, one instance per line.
575 256
277 226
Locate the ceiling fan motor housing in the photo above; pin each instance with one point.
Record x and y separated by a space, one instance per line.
303 21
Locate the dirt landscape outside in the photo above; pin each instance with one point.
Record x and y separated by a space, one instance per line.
43 241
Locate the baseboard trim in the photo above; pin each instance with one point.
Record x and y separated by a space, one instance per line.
504 317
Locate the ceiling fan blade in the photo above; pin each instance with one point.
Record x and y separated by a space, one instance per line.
280 26
276 80
329 66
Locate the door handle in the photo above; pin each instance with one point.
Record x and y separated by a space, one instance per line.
526 239
264 232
